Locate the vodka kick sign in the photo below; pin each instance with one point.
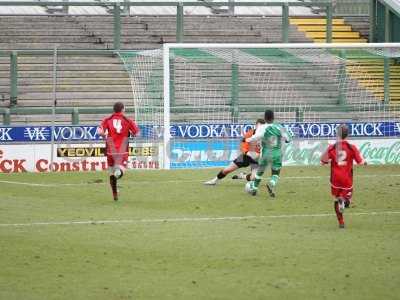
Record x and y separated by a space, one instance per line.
43 134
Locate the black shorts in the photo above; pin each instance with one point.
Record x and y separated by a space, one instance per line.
243 161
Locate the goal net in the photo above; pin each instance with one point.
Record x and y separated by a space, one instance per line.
145 69
196 100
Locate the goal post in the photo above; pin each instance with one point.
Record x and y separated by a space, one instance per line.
167 107
201 97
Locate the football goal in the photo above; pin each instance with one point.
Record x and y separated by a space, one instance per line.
195 100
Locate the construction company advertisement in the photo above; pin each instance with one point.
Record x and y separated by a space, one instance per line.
70 157
79 148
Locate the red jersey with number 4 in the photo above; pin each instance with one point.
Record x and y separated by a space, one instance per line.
341 156
118 128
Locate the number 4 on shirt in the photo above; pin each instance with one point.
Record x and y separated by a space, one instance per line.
117 124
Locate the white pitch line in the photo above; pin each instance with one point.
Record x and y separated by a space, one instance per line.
189 219
41 184
172 181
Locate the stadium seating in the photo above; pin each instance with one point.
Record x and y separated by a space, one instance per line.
372 71
83 81
359 24
138 32
315 29
370 75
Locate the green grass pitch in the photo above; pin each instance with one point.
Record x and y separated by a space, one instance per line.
170 237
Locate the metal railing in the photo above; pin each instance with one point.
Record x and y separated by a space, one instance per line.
116 9
75 112
384 15
14 54
329 7
348 7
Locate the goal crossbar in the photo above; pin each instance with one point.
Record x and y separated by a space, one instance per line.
282 46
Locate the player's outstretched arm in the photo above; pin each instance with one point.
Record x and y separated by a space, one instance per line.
103 128
257 136
286 135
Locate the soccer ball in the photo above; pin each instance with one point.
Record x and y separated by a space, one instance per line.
118 173
249 188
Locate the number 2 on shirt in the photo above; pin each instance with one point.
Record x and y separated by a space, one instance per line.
117 125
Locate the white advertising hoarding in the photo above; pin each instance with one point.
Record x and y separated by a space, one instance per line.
16 158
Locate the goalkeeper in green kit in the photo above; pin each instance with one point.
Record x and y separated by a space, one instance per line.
271 135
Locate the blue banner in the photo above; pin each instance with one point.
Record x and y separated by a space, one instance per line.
203 153
9 134
62 133
299 130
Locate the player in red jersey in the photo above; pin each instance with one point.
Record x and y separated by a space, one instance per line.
341 156
116 130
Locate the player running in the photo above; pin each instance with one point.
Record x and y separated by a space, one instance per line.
116 130
248 157
341 156
271 135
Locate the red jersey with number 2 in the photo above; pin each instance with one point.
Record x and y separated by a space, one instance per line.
341 156
118 129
